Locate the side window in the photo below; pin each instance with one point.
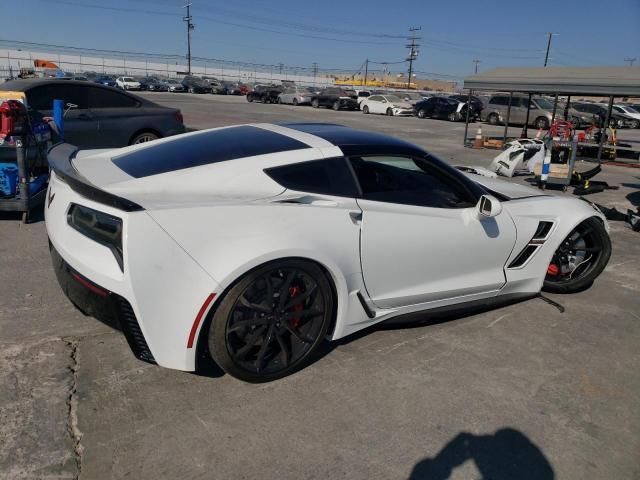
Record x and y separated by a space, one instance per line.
103 98
329 176
408 181
41 98
375 98
499 101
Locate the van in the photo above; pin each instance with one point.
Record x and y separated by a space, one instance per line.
540 113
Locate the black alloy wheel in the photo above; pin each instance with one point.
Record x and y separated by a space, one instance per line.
272 320
579 259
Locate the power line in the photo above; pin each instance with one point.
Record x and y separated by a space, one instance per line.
413 50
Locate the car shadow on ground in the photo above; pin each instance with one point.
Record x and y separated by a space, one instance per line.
505 455
633 197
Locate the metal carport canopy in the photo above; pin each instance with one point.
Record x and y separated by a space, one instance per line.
605 81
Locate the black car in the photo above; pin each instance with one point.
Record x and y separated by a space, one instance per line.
99 116
446 108
153 84
336 98
476 103
193 84
265 93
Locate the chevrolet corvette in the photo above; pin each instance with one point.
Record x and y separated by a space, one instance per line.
253 244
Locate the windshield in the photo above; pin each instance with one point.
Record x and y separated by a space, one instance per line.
544 103
393 98
413 96
629 109
128 79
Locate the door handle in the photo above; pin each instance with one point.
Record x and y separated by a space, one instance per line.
356 217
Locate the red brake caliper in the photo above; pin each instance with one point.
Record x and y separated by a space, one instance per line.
293 293
553 270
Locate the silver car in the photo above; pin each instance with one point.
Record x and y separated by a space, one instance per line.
540 111
174 85
296 95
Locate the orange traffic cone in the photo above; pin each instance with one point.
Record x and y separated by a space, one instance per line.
478 142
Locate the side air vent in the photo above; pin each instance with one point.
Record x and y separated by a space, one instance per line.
541 235
542 231
525 255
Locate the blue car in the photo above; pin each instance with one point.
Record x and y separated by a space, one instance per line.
108 80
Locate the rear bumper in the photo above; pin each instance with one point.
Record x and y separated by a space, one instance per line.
102 304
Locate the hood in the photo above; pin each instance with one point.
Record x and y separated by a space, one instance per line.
404 104
508 189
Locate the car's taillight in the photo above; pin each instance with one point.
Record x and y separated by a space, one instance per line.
99 227
179 118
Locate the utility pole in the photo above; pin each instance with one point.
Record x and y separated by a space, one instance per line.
281 67
630 60
546 55
190 26
314 66
413 50
366 71
475 70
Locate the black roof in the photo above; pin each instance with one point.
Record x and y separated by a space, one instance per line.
24 84
342 136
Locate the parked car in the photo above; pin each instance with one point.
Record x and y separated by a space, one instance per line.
99 116
296 95
597 112
442 107
362 95
193 84
220 238
264 93
107 80
626 111
336 98
389 105
540 111
174 86
153 84
411 97
476 103
127 83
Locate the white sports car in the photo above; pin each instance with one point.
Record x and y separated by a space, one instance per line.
254 243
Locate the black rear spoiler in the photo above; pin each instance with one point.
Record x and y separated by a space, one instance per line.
60 157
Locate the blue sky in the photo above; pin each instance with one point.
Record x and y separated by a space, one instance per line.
341 34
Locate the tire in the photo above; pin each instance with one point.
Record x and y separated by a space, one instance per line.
249 98
143 137
279 101
295 102
635 124
192 90
365 110
493 119
542 122
452 117
596 241
336 105
255 337
315 103
422 113
389 112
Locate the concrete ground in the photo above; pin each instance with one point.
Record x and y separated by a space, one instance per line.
520 392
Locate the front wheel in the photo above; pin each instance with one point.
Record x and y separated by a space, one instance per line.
493 119
336 106
389 112
635 124
144 137
542 122
295 102
365 110
315 103
452 117
272 320
579 259
422 113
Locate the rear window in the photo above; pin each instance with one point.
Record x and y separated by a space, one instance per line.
203 149
42 97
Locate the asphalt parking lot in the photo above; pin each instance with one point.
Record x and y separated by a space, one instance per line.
520 392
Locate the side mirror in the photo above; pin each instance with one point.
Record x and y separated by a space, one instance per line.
488 206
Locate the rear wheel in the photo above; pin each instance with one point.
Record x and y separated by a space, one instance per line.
272 320
635 124
336 105
452 117
295 102
143 137
580 258
249 98
389 112
315 103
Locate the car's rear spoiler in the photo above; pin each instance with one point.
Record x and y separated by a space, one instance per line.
60 157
